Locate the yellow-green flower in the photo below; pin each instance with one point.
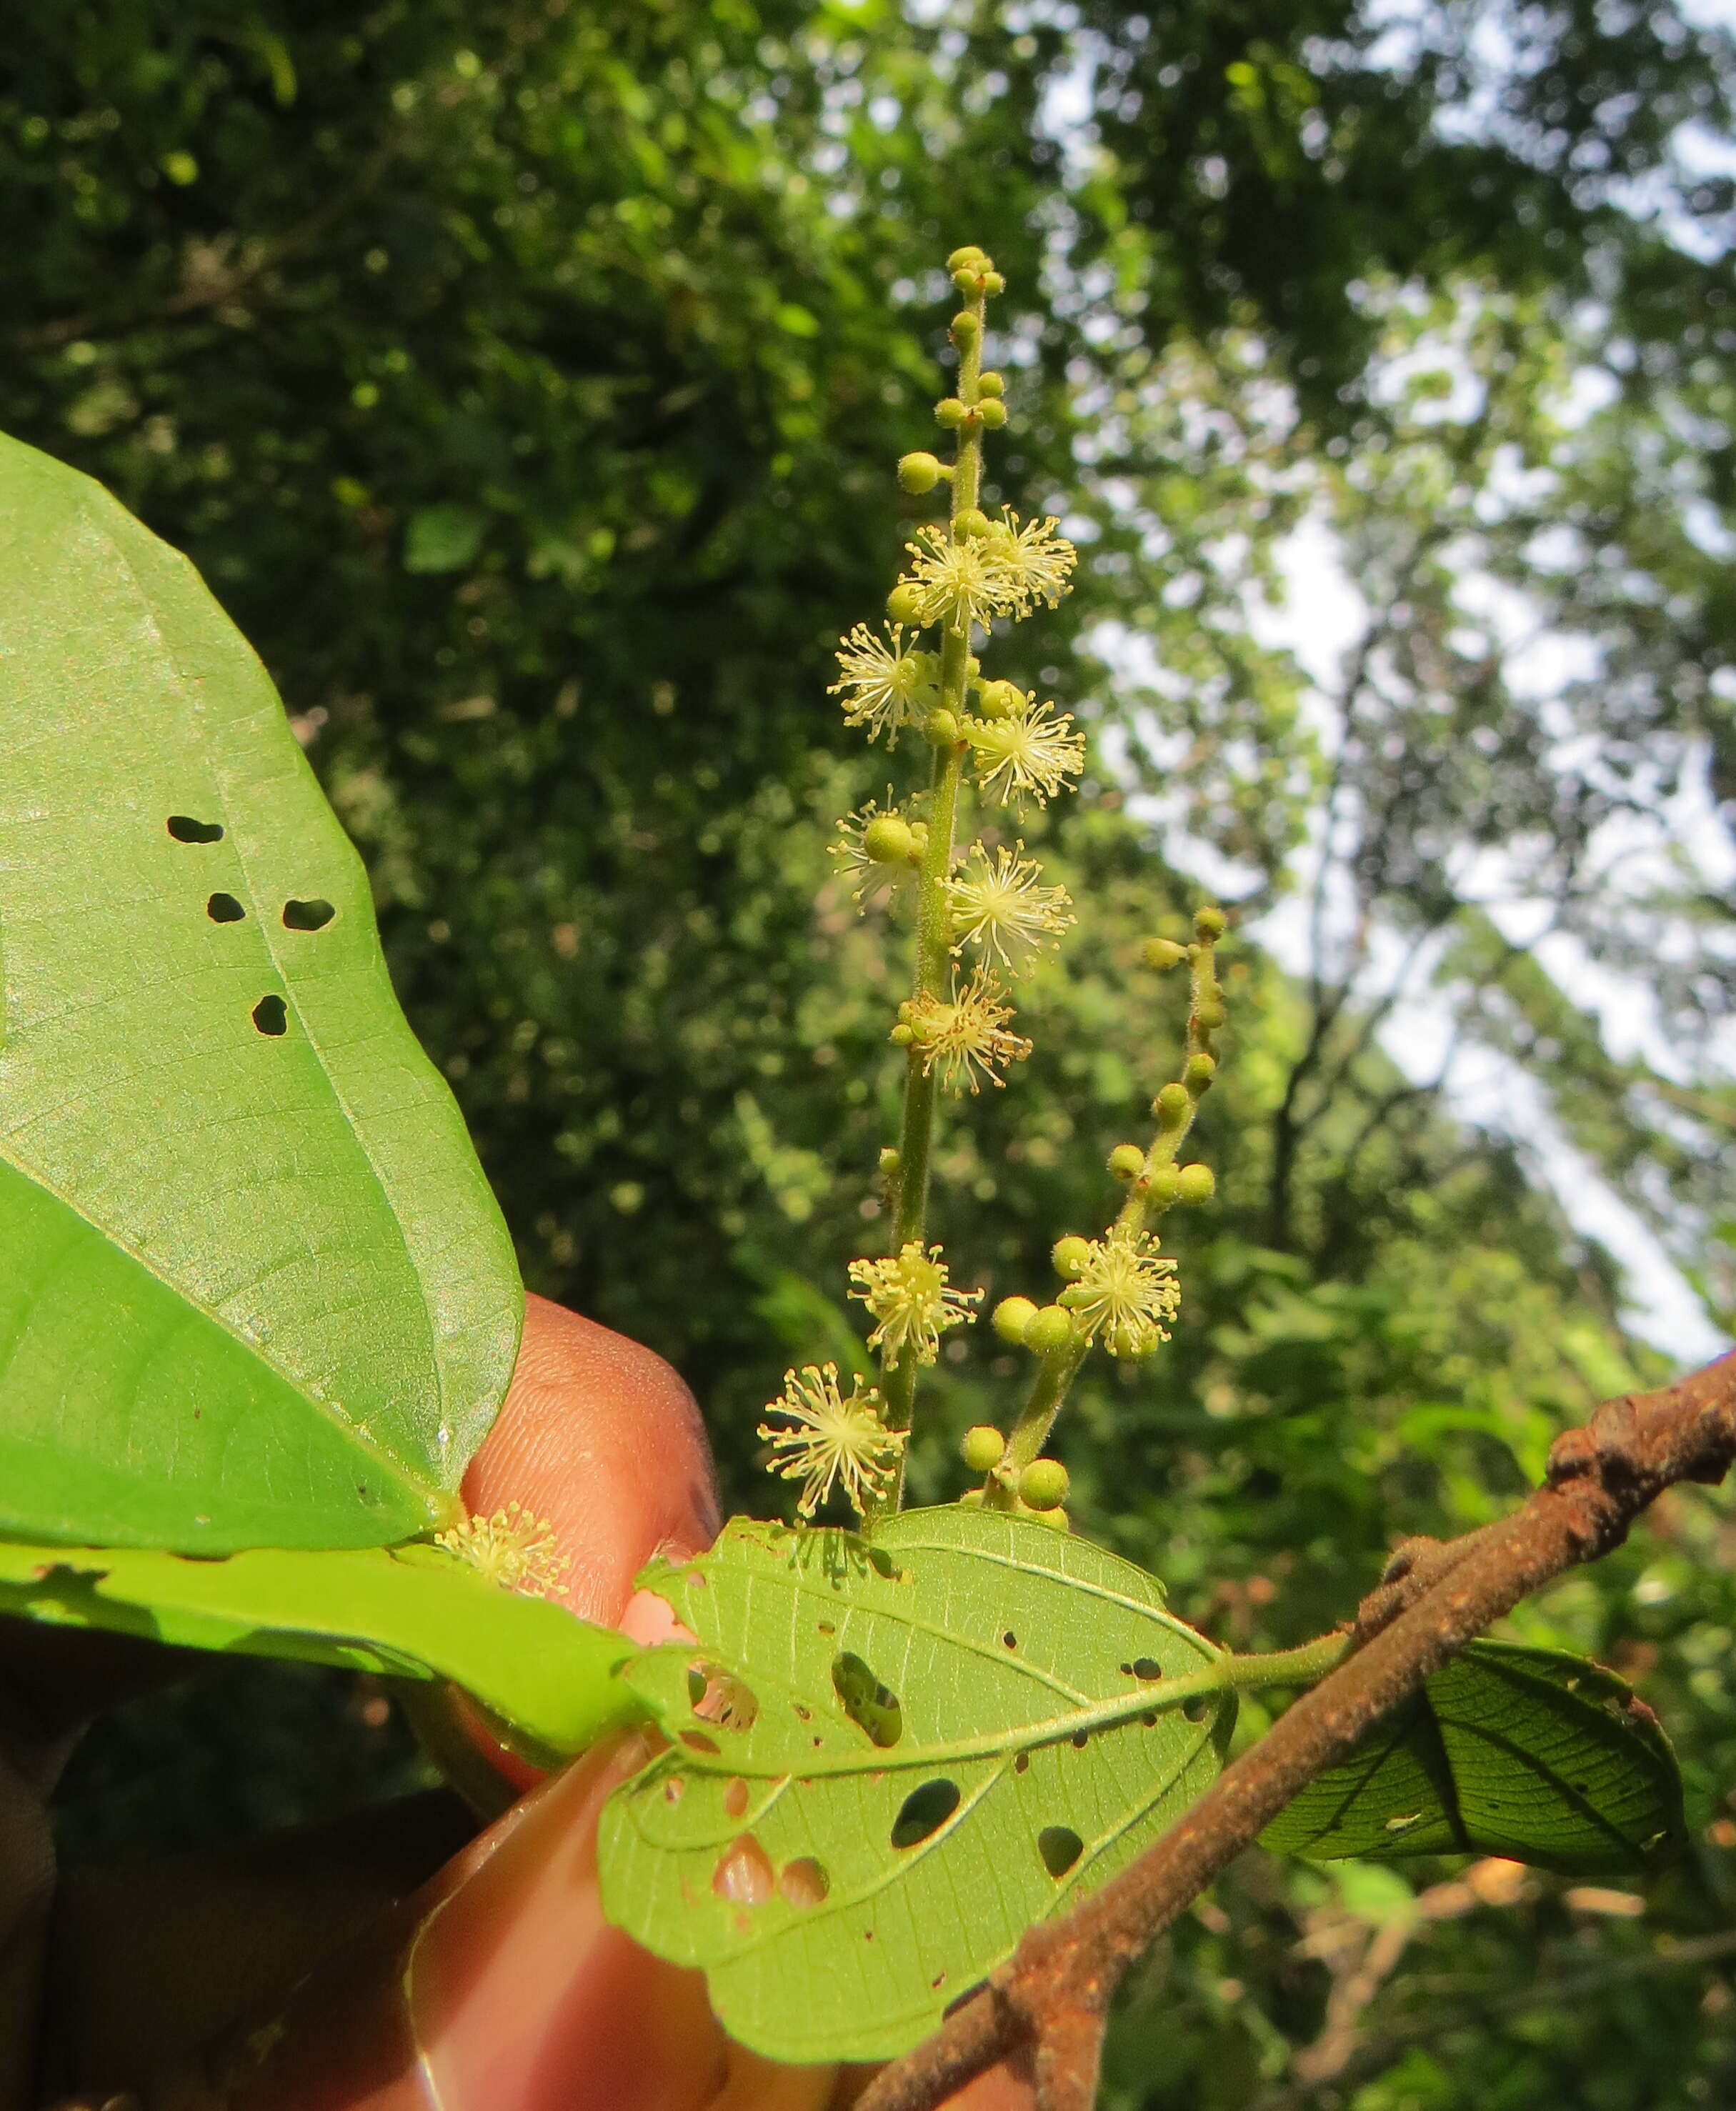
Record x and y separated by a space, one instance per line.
853 854
996 903
958 583
511 1548
880 683
965 1036
1031 753
1124 1290
1035 562
826 1439
910 1297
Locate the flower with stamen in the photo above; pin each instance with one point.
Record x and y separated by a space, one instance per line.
826 1438
996 903
964 1037
866 874
1029 753
1036 562
960 583
882 684
512 1549
911 1299
1125 1291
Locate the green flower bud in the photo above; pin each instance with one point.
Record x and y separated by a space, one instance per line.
992 412
904 603
1196 1183
1057 1520
1070 1255
968 281
1209 1011
972 521
1199 1071
1012 1319
942 728
964 326
890 1163
1127 1161
968 258
999 700
950 412
1042 1486
919 473
1050 1330
981 1448
901 1035
887 840
1208 923
1163 1187
993 283
971 1499
991 384
1172 1105
1161 953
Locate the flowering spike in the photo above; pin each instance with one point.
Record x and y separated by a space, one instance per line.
910 1296
831 1439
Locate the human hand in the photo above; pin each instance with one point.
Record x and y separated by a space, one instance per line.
366 1966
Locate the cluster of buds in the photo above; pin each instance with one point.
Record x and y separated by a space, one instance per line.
1036 1489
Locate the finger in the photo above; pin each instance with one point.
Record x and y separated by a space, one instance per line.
501 1987
599 1436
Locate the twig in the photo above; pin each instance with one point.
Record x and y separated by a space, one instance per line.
1052 1995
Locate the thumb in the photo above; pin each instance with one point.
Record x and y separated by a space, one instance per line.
500 1987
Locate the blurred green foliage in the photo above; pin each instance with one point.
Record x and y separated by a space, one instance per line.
527 379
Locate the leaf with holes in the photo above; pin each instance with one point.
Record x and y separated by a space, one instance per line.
254 1292
412 1611
1531 1753
887 1759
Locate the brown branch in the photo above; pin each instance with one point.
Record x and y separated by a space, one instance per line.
1052 1996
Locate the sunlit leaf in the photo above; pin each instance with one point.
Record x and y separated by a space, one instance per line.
255 1290
889 1759
405 1612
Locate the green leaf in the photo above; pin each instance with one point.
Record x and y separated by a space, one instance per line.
887 1759
1531 1753
410 1612
442 538
255 1289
